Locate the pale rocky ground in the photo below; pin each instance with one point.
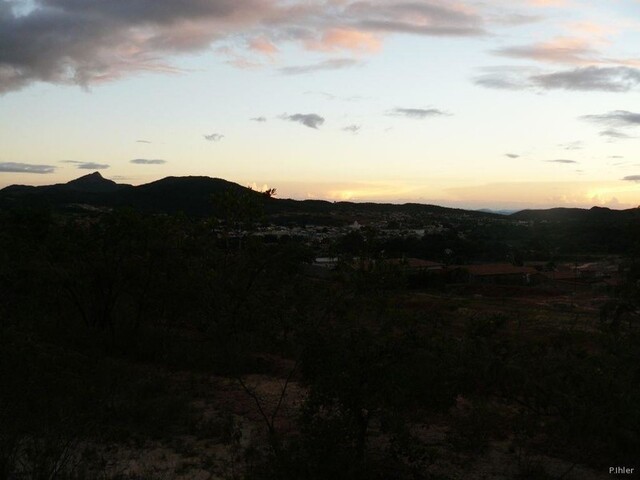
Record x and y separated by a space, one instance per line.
235 424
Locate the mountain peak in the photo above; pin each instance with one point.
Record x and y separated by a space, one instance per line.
94 182
92 177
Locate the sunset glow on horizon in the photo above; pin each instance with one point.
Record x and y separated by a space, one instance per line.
472 104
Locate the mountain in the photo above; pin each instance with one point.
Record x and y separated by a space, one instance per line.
92 189
94 182
171 194
500 212
194 196
594 214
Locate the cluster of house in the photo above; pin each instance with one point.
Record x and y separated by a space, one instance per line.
604 275
320 233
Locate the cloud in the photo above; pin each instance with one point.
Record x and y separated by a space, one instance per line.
434 18
352 129
592 78
263 45
310 120
92 166
632 178
616 121
559 50
614 134
92 41
417 113
88 165
548 3
330 96
615 118
514 19
258 119
578 145
497 82
346 39
144 161
11 167
607 79
214 137
512 155
331 64
239 60
504 77
561 161
143 141
86 42
578 50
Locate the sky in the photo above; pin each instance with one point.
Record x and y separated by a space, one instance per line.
500 104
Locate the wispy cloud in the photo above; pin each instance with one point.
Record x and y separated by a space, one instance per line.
592 78
143 141
145 161
258 119
311 120
577 145
331 64
87 165
559 50
615 118
561 160
214 137
345 39
352 128
330 96
607 79
11 167
618 123
505 78
512 155
263 45
632 178
548 3
614 134
417 113
433 18
93 166
94 41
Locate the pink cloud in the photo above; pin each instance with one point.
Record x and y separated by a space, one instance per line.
566 50
262 45
591 28
548 3
88 41
346 39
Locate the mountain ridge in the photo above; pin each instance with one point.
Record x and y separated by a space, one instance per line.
193 195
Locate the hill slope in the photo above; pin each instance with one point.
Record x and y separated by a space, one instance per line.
194 196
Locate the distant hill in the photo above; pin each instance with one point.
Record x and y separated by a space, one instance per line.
501 212
191 195
94 182
169 195
593 214
194 196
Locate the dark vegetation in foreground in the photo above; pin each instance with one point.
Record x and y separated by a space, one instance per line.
109 322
